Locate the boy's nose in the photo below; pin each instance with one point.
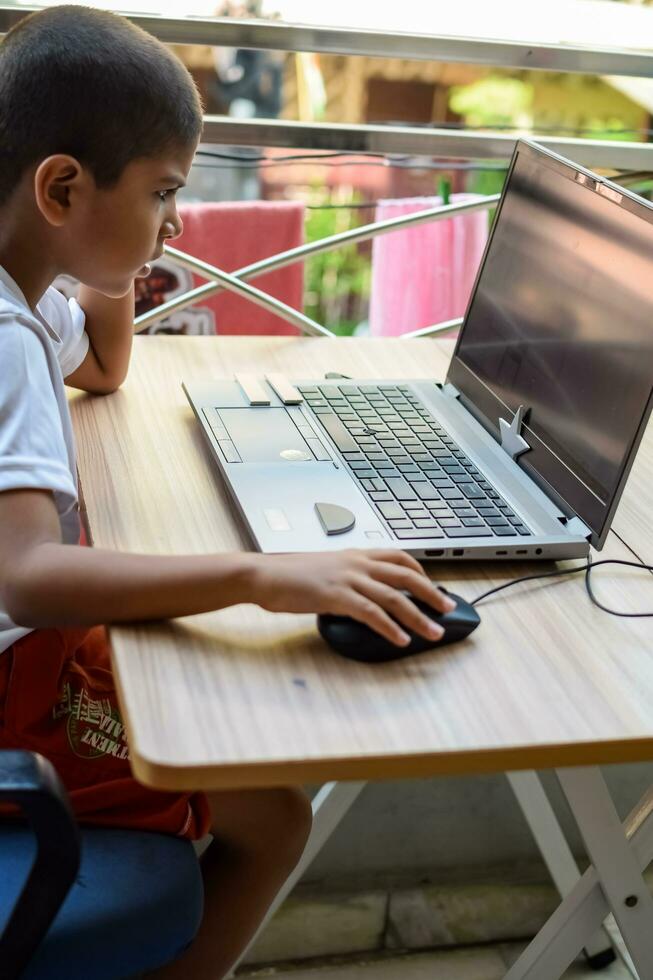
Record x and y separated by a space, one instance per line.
172 227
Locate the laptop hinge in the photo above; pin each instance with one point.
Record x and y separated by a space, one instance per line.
576 527
512 441
451 390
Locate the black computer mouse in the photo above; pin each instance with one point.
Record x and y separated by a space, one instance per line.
358 642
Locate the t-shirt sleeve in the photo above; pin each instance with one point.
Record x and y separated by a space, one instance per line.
67 319
33 451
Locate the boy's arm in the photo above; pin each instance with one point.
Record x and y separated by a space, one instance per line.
44 583
110 328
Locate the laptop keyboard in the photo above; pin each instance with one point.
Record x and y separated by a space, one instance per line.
419 480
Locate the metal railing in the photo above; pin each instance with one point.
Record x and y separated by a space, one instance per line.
236 282
445 143
271 35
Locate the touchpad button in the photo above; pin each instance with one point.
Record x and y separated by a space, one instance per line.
265 435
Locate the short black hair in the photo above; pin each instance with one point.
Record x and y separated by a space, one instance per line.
90 84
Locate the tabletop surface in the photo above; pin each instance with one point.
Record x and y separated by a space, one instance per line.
242 697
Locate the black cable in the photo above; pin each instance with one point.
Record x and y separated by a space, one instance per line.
587 568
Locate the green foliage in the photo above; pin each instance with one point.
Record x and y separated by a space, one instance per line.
337 284
493 101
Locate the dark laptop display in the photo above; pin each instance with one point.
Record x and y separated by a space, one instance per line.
561 322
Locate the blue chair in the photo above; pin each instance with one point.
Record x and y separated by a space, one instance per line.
79 903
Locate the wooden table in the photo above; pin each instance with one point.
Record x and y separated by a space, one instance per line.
242 697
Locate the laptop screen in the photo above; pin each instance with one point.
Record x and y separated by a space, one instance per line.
561 322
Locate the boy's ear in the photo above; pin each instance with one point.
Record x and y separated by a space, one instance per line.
58 179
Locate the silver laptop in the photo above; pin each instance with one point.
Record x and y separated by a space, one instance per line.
523 451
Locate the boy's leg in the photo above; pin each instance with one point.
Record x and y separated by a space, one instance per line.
259 838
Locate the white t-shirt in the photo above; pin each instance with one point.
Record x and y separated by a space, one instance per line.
37 449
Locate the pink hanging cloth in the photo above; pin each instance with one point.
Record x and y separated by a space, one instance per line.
424 275
233 234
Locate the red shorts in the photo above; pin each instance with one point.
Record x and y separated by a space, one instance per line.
58 697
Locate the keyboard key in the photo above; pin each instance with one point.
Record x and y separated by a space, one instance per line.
338 433
401 489
497 522
381 495
472 492
505 532
403 524
366 474
426 492
449 522
422 532
452 494
425 522
468 532
391 511
522 529
472 522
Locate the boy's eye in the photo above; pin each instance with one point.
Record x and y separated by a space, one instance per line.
164 195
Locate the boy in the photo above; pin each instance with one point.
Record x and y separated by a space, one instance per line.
98 127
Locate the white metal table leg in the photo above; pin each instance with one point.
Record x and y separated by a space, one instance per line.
556 852
622 852
330 805
616 865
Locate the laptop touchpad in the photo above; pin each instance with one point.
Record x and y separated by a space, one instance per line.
265 435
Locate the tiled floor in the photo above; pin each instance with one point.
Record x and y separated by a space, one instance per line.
487 963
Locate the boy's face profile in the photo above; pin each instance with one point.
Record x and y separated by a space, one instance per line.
106 236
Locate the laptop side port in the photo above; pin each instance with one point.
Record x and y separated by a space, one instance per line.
458 552
434 553
501 552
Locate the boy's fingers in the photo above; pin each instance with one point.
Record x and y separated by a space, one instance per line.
418 585
400 607
397 558
365 610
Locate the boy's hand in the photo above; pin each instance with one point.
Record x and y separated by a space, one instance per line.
362 584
